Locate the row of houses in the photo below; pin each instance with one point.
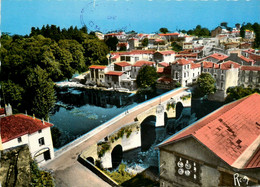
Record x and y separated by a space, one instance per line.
183 68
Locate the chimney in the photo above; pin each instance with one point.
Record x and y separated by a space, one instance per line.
8 110
43 121
26 112
33 116
231 66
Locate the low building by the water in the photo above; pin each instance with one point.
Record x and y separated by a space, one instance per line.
221 149
21 129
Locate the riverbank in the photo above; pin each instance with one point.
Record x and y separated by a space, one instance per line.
76 84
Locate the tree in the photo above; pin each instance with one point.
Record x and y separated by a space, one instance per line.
145 42
205 84
12 93
111 43
237 92
146 77
164 30
95 51
40 94
176 47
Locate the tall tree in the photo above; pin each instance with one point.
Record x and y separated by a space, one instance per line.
146 77
95 51
111 43
205 84
145 42
40 93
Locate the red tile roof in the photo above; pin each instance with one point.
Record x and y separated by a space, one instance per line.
2 111
182 61
195 65
169 34
164 64
250 68
191 55
227 65
123 64
116 73
160 70
207 64
246 59
142 63
122 44
18 125
134 52
255 161
97 67
115 57
165 52
228 131
217 56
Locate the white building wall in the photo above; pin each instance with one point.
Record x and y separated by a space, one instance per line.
14 142
34 141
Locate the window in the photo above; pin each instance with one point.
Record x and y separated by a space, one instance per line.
222 77
41 141
184 75
188 169
40 131
19 139
128 58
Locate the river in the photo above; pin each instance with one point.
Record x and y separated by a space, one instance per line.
78 111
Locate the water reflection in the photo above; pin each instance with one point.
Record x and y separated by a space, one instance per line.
77 110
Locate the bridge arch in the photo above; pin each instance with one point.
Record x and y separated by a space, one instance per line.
117 156
91 160
148 133
179 109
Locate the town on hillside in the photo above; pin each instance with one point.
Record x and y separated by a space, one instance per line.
227 56
220 149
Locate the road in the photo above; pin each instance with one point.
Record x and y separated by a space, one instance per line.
68 172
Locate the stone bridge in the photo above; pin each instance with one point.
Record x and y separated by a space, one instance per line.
129 136
117 135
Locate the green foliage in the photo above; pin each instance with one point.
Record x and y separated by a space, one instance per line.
145 42
13 93
238 92
40 177
95 51
111 43
176 47
146 77
170 105
199 31
256 28
164 30
178 84
103 148
55 33
120 175
40 93
55 134
31 64
205 85
186 97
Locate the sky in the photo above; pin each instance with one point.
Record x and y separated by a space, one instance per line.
143 16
